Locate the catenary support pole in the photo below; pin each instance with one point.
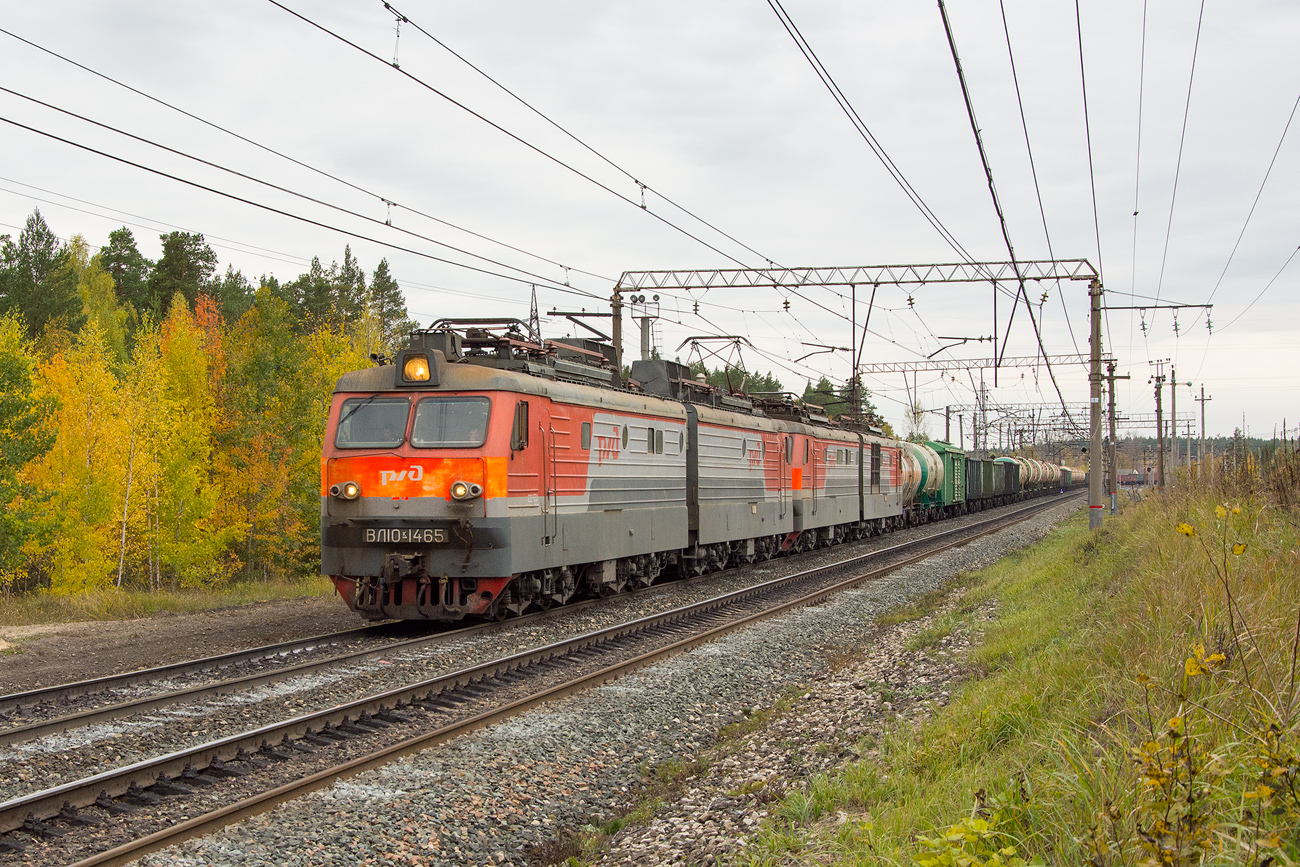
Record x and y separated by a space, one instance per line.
1094 381
1173 423
1111 376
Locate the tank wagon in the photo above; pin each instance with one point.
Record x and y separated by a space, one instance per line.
482 474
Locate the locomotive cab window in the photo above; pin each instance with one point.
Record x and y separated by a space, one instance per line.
450 422
519 433
372 422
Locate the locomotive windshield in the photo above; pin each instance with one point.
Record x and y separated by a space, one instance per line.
372 422
450 422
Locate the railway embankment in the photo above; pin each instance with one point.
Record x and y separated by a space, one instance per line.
1125 696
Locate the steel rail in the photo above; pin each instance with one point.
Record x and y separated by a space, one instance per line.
31 731
60 691
48 803
262 802
44 728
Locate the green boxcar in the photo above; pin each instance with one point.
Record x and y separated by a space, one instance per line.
952 497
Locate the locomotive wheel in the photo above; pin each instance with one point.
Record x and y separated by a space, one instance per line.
500 608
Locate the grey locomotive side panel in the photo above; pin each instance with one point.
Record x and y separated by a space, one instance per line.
734 501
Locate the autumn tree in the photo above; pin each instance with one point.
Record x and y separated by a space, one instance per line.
79 477
99 298
23 438
189 542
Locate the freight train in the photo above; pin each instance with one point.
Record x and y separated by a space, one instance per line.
482 474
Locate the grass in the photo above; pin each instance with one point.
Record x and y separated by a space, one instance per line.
114 604
1134 702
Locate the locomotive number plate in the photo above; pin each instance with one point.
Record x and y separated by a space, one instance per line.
405 536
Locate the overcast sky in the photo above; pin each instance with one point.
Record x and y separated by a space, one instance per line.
712 105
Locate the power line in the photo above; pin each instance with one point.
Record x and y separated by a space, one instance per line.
240 247
274 186
1087 126
556 160
281 212
1262 291
847 107
1137 169
1042 212
385 200
1187 108
997 205
645 187
1242 234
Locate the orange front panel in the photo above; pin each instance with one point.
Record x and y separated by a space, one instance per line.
391 475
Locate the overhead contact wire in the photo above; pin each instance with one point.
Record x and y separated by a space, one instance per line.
290 215
534 148
274 186
856 120
1038 192
571 135
291 159
997 206
1182 139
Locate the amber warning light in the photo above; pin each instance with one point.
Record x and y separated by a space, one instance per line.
415 368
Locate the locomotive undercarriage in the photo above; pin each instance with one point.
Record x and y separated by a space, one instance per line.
406 589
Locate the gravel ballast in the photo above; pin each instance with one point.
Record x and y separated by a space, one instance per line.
496 796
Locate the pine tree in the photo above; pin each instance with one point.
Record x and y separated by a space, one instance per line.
390 306
186 266
129 269
34 280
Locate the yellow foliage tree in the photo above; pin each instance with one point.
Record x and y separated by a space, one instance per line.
81 474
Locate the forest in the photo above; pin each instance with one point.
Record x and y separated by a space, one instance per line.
161 422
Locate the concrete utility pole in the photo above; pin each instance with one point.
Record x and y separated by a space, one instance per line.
1159 380
1201 454
1094 409
1113 454
616 309
1173 420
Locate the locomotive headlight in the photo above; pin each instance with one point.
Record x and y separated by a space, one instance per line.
345 491
465 490
416 368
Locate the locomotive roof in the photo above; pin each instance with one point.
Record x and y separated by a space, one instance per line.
464 376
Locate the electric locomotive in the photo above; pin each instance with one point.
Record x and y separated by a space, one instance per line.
484 474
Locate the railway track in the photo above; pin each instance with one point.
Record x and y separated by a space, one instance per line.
249 772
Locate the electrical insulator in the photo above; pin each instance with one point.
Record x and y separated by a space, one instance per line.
911 302
786 304
697 307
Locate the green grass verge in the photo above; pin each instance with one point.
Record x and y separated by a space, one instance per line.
1119 714
128 604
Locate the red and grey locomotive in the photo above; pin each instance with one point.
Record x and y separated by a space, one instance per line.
484 474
